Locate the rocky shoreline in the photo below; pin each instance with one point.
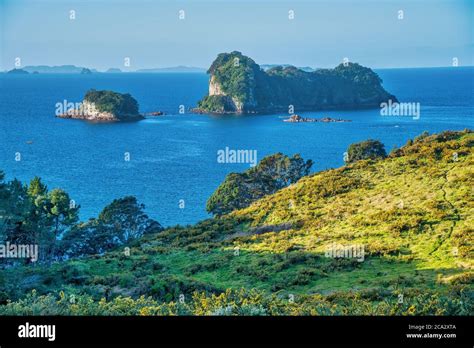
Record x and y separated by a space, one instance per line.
154 113
100 117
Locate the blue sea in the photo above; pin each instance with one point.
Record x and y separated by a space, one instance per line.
174 157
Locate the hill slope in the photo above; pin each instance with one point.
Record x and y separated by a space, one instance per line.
408 219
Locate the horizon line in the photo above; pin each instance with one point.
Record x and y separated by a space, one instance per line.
201 68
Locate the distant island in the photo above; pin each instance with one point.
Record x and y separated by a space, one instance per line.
239 85
60 69
18 72
105 106
266 67
86 71
113 70
72 69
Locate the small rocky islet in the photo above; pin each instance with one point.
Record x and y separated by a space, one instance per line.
299 119
104 106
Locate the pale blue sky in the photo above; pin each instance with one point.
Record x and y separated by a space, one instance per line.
151 34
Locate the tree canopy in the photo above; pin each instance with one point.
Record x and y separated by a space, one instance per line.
271 174
369 149
32 214
116 103
119 223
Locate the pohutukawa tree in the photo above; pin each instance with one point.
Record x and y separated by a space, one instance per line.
369 149
272 173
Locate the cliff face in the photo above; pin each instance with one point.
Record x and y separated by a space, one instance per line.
88 111
215 87
238 85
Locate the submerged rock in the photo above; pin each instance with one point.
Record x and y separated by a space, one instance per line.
155 113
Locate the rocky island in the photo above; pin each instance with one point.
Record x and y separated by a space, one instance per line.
298 119
239 85
105 106
154 113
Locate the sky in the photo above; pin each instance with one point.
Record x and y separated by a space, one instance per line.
151 34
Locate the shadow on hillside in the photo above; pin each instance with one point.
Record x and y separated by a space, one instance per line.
166 276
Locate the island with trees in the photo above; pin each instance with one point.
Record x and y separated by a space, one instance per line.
239 85
105 106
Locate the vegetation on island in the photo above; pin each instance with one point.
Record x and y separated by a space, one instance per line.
216 103
242 86
411 213
118 104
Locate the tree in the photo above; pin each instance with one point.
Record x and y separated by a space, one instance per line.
125 216
37 188
273 173
63 213
87 238
29 214
369 149
16 209
120 222
4 211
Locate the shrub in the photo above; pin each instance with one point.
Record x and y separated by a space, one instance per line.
369 149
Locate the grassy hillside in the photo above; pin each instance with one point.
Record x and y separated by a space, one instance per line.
411 213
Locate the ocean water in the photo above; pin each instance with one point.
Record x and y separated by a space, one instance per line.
174 158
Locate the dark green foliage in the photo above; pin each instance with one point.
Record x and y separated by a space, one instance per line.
422 136
33 215
115 103
216 104
369 149
272 173
119 223
126 216
236 74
